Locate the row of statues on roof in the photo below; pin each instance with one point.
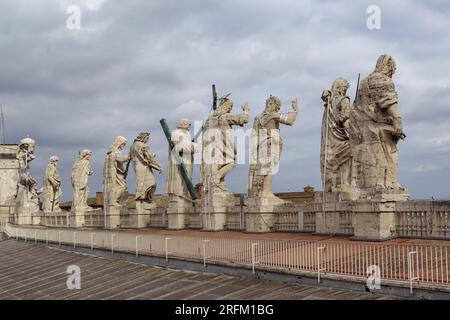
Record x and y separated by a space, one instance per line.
358 151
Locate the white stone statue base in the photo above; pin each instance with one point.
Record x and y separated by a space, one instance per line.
141 217
25 208
215 211
77 216
112 216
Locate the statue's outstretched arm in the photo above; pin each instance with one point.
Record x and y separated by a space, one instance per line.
290 117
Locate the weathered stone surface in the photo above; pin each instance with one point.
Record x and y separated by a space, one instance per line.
266 145
335 151
81 171
52 186
27 199
183 150
9 177
114 184
218 159
144 162
375 129
374 220
219 150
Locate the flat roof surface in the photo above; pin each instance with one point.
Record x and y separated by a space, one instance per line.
30 271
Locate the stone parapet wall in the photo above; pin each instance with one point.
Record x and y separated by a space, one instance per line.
365 220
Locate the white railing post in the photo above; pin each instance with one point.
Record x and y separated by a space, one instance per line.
74 239
411 270
319 270
167 249
17 235
35 236
204 252
46 237
137 245
112 243
59 238
254 256
92 241
26 235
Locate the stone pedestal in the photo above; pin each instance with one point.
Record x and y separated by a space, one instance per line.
261 213
178 212
112 217
178 217
25 207
327 222
215 221
333 216
215 209
141 217
374 214
260 219
37 218
77 217
374 220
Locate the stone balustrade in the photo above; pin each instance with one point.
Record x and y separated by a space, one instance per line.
413 219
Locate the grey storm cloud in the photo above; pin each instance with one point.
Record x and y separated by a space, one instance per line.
135 62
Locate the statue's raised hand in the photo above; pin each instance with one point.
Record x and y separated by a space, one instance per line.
245 107
295 105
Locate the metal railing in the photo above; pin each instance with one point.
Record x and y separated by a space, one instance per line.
409 263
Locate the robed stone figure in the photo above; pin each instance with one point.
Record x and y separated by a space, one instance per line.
114 183
52 186
266 147
81 171
219 149
183 150
335 149
376 128
144 162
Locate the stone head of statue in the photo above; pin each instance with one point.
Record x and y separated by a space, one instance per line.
53 160
273 104
225 106
143 137
26 149
184 123
85 154
120 142
340 87
386 65
27 144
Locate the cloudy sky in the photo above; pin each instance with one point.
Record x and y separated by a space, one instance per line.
134 62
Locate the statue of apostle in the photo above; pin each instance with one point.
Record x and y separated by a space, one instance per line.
81 171
266 146
144 162
183 150
52 186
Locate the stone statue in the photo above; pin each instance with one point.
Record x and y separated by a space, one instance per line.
26 209
25 154
375 129
52 186
114 184
219 150
144 162
81 171
266 146
175 186
335 151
